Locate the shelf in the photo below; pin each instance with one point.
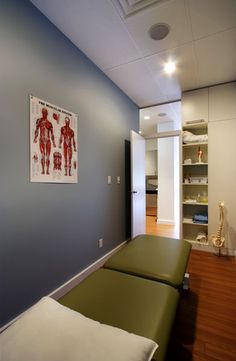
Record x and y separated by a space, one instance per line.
196 242
195 144
199 125
195 184
194 164
195 203
189 221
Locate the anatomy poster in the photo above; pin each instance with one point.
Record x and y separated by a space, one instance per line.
53 143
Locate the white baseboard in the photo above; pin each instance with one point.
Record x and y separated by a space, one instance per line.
203 247
224 252
165 221
74 281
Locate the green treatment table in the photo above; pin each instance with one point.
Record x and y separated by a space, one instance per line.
156 258
141 306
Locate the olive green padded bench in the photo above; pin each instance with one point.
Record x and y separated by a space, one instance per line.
137 305
156 258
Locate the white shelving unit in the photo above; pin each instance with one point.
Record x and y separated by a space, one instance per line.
195 185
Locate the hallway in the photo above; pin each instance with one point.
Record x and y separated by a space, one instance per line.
164 230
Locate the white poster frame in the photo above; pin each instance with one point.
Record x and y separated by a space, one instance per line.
53 143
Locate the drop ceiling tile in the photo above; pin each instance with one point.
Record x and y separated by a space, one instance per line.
185 77
211 16
129 7
137 82
216 56
153 101
147 102
170 12
95 27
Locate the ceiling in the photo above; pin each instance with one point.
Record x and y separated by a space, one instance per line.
114 35
164 117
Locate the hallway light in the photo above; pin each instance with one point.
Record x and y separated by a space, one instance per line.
170 67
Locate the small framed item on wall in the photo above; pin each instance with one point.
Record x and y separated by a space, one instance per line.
53 143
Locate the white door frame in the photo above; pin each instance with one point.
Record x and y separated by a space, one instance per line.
170 134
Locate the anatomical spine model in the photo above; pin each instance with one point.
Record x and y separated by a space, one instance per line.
217 239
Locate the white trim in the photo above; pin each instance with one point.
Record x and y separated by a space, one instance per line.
74 281
165 221
171 133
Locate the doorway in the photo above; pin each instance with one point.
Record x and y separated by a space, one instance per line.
160 126
151 180
162 186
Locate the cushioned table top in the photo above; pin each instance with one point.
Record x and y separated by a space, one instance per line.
158 258
134 304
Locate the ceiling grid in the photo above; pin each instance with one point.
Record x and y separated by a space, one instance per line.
202 41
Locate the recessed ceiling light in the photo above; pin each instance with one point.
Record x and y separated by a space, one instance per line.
170 67
161 114
159 31
146 117
140 131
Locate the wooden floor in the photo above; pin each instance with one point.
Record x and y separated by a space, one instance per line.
205 326
164 230
151 211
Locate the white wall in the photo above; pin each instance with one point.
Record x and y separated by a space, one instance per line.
166 212
166 199
151 162
177 180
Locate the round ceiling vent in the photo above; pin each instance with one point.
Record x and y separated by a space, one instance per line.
159 31
161 114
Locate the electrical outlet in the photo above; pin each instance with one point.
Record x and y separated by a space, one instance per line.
100 243
118 179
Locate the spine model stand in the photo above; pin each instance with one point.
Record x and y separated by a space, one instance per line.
217 239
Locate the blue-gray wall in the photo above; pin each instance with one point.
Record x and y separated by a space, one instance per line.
49 232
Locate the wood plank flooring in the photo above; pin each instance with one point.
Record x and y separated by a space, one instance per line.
164 230
205 326
151 211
